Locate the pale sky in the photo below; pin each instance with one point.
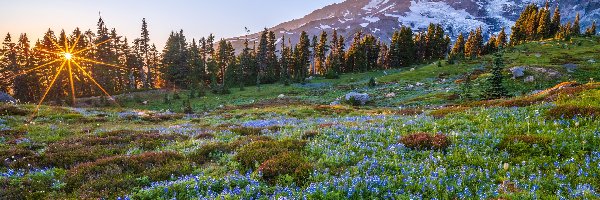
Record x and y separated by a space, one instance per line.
224 18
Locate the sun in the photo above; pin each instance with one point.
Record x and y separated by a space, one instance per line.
69 61
67 56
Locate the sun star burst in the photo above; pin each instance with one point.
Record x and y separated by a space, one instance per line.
69 60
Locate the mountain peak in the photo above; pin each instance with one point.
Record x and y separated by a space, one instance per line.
382 17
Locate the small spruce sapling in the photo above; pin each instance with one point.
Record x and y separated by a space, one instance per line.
372 82
495 88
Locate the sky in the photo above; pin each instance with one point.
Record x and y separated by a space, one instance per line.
197 18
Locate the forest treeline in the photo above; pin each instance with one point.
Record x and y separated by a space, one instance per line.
206 64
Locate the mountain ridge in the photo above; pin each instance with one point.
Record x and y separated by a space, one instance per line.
382 17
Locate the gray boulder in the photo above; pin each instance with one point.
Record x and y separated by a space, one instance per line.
335 103
570 67
517 72
529 79
361 98
5 98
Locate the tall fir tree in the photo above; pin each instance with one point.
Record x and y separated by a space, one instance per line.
591 31
321 50
8 66
284 62
458 50
25 86
576 28
211 65
272 69
544 24
501 39
262 56
302 57
555 22
176 68
145 52
196 64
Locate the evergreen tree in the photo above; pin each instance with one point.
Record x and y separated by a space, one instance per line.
495 87
247 65
25 86
272 67
154 71
474 45
501 39
383 58
466 89
211 65
302 57
591 31
8 66
545 23
144 41
176 68
458 50
420 45
576 28
333 61
224 58
320 54
340 54
490 46
555 22
196 64
262 56
103 54
430 42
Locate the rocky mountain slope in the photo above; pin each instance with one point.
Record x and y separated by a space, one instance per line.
382 17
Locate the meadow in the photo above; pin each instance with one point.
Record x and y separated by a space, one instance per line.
424 142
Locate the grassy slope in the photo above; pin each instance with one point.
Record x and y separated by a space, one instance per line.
474 131
438 82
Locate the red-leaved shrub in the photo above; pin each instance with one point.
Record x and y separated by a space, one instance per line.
287 163
425 141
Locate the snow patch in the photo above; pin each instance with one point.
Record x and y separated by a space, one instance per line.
496 10
364 24
374 4
323 27
423 13
371 19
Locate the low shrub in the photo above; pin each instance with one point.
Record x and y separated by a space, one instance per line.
70 152
310 134
526 145
11 136
209 152
113 176
408 111
204 136
8 110
243 141
332 110
442 112
161 117
255 153
245 131
287 163
18 157
33 185
571 111
426 141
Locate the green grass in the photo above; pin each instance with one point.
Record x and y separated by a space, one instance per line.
490 147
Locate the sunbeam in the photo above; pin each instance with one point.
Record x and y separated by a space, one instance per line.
69 59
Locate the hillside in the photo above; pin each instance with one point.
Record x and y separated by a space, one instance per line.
423 141
382 17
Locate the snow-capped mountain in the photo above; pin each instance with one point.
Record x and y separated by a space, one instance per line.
382 17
